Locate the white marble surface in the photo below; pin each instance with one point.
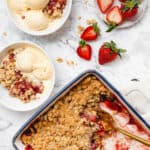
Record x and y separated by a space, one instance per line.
135 64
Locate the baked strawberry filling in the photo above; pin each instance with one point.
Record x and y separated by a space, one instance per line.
86 118
55 8
17 84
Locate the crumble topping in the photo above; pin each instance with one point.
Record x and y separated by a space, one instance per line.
55 8
17 84
80 120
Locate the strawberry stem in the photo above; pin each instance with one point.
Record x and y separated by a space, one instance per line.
82 43
130 4
96 28
112 45
111 26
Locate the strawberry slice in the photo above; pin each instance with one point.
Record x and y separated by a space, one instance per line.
114 18
104 5
91 33
84 50
114 15
109 52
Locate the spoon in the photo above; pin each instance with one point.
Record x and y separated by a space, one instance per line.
109 125
137 138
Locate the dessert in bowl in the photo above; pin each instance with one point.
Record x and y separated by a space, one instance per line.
26 76
40 17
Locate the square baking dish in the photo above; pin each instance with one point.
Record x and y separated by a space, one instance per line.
18 145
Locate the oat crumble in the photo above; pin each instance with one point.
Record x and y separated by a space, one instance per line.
75 121
55 8
17 85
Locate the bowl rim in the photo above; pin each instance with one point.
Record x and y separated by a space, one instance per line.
52 68
52 100
39 33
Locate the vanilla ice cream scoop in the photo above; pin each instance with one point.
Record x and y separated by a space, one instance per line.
36 4
36 20
31 60
24 61
17 5
42 73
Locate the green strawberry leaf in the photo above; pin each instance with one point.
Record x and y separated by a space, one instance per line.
130 4
111 26
96 28
113 47
82 43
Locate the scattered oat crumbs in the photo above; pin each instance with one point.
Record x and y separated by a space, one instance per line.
5 34
79 18
71 62
28 9
59 60
91 21
80 29
85 2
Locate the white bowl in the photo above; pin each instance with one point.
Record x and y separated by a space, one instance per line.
129 23
15 103
53 27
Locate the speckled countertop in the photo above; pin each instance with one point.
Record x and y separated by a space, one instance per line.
62 44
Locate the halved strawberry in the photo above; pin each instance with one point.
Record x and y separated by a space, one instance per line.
114 15
84 50
91 33
114 18
104 5
109 52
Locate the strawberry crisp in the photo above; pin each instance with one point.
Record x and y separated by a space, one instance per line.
17 84
83 120
55 8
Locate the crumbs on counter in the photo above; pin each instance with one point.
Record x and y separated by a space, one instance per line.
91 21
4 33
69 62
80 29
79 17
85 3
59 60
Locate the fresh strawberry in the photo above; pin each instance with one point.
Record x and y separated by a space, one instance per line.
129 14
90 33
114 15
104 5
84 50
114 18
109 52
130 8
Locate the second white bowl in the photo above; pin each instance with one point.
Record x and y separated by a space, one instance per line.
15 103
